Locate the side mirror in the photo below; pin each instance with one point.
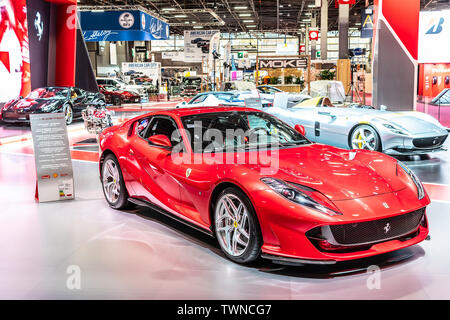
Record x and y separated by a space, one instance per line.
300 129
160 140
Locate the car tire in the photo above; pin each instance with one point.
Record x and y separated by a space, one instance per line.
365 137
114 191
68 114
240 238
117 101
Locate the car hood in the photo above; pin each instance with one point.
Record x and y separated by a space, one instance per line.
337 173
31 104
411 123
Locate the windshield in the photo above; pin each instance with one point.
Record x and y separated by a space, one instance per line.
192 81
269 90
239 130
49 93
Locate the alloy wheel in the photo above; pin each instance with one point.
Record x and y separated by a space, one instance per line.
111 181
68 115
364 137
232 225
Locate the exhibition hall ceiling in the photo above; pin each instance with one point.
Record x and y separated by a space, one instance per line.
287 16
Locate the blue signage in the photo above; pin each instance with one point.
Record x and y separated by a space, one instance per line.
133 25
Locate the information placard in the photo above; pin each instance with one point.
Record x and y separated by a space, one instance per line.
54 170
253 102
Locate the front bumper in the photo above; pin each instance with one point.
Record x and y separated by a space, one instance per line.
333 258
285 227
15 117
136 99
394 144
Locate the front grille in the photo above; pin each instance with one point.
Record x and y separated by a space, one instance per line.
376 230
432 142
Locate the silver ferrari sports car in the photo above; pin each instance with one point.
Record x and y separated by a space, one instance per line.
394 133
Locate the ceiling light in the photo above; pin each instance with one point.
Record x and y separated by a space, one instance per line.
251 26
180 16
240 8
311 5
247 21
306 20
245 15
307 13
198 27
168 9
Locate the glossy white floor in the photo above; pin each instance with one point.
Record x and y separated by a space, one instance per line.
141 255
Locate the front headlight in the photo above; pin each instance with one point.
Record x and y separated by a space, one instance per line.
293 194
395 129
414 178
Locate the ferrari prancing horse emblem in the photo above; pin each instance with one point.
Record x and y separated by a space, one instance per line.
387 227
188 172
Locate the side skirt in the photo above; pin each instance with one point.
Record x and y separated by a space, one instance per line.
160 210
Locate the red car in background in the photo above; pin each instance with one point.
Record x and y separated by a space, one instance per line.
264 192
117 97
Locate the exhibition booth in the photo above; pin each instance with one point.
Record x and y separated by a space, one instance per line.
214 172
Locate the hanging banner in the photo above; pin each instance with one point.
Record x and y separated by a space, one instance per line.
367 22
197 44
150 69
54 170
133 25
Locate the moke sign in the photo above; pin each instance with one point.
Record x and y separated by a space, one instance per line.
276 63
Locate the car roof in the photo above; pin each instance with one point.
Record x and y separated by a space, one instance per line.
182 112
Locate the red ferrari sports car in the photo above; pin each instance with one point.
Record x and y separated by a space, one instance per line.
261 188
117 97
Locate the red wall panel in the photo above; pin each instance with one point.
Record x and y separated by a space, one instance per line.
403 16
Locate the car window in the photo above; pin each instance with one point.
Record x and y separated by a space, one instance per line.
165 126
101 81
238 130
445 98
224 96
141 126
199 99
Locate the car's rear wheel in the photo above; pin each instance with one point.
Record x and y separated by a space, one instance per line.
113 184
365 137
68 114
236 226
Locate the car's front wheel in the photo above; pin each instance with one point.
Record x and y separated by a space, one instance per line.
236 226
113 184
365 137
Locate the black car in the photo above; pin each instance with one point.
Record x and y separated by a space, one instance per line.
68 100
